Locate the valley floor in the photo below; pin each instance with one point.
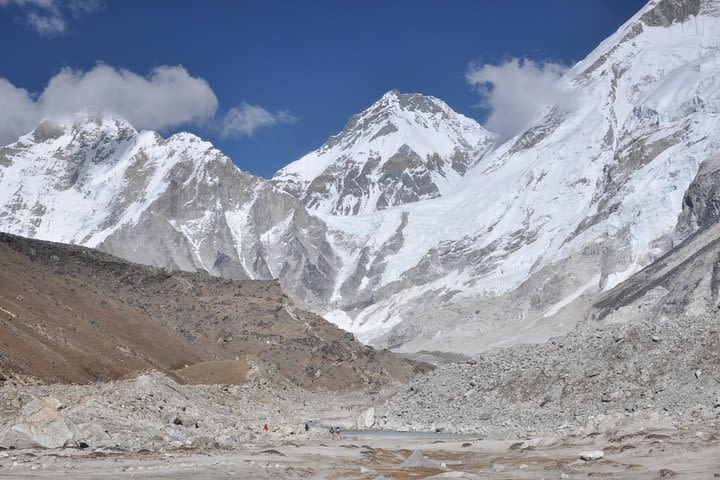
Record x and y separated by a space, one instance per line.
680 454
644 393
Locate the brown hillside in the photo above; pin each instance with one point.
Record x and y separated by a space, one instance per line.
72 314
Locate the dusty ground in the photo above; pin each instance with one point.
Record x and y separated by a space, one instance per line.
659 455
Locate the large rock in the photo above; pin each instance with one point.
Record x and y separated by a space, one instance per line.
366 419
40 425
591 455
417 460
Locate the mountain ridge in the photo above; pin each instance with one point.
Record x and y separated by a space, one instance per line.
528 236
73 314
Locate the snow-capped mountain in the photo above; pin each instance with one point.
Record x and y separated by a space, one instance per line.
93 180
573 205
404 148
531 231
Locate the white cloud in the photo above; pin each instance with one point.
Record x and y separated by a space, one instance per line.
46 25
48 17
18 114
517 91
244 120
166 98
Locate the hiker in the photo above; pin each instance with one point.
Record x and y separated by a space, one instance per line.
332 432
337 432
307 427
265 427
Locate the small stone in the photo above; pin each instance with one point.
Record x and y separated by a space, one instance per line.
698 374
523 467
591 455
655 338
564 475
666 472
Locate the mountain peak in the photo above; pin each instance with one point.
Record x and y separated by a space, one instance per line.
92 118
367 165
391 95
86 122
411 102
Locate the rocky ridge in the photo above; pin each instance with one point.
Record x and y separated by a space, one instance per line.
179 203
620 379
72 314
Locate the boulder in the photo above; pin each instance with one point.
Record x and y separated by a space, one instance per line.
417 460
93 432
204 441
591 455
40 425
366 419
181 418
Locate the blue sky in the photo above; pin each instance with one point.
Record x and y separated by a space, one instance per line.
308 66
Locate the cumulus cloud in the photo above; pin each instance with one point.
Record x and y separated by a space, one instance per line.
166 98
245 119
48 17
517 91
18 114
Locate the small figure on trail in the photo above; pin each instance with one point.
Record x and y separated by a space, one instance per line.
265 427
337 432
307 427
332 432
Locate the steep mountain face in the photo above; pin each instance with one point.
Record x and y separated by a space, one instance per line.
572 206
93 180
685 281
403 149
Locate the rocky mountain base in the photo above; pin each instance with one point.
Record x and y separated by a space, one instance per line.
153 412
621 379
622 400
